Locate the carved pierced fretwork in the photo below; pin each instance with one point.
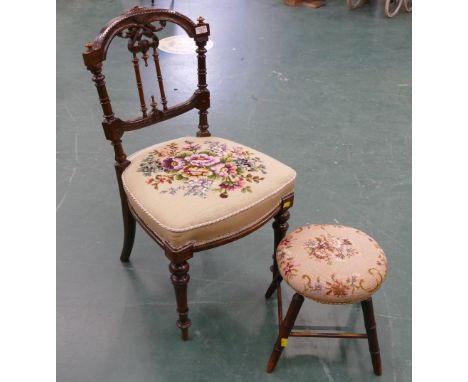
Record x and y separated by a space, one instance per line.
141 39
140 26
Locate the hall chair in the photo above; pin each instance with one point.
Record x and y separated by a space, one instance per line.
191 193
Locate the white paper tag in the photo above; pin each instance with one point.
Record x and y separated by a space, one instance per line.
201 29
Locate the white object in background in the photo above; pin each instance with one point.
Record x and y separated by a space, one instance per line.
180 45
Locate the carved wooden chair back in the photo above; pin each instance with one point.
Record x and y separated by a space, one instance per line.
140 27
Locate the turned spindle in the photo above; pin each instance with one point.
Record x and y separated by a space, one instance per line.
153 104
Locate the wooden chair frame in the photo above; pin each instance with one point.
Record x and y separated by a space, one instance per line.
136 26
286 326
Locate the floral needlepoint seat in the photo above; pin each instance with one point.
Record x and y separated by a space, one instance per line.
332 263
193 191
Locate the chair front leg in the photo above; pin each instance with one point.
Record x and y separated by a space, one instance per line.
180 278
371 329
284 331
280 227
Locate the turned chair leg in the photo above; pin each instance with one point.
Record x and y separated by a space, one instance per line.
284 331
180 279
371 329
280 227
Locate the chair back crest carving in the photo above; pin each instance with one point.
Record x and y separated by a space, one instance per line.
139 26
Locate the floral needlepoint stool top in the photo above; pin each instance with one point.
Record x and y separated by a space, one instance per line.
332 264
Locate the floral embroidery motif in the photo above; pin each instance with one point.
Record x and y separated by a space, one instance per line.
382 261
289 267
317 286
196 169
339 288
329 248
282 249
285 243
342 287
285 259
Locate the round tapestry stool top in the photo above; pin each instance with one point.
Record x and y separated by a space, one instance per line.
331 264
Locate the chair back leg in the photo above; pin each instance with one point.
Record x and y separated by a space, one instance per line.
129 234
129 222
280 227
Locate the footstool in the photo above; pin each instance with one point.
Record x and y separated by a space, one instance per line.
330 264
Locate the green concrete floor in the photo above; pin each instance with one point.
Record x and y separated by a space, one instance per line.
326 91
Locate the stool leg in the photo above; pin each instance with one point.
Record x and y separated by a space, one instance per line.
284 330
371 329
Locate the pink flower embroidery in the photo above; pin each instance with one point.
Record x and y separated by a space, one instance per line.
190 146
330 248
238 151
232 185
224 169
289 269
202 160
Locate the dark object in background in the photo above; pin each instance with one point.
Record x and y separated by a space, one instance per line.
307 3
